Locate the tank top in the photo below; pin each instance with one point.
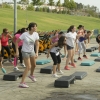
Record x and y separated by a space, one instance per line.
81 39
55 39
56 50
4 40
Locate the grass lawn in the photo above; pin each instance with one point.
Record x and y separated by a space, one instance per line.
46 21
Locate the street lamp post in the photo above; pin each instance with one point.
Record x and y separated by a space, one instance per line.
15 16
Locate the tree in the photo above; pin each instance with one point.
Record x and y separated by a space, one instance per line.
59 5
35 2
66 4
41 2
72 5
24 1
51 3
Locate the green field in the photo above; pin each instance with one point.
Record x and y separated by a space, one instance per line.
46 21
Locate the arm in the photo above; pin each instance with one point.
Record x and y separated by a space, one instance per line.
37 47
13 39
16 45
65 50
0 46
10 36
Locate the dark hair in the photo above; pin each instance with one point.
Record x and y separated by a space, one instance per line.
70 28
61 41
4 30
61 32
23 30
18 32
80 26
55 32
88 32
32 24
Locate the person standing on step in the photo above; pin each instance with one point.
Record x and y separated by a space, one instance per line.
82 45
54 51
98 41
71 37
1 59
29 38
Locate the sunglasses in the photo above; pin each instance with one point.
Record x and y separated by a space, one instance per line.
6 32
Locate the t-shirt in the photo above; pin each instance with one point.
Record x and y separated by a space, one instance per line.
56 50
29 41
71 38
16 38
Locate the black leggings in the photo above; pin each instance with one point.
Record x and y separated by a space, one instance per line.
20 54
7 49
56 59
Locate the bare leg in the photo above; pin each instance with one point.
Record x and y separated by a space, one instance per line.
33 65
28 67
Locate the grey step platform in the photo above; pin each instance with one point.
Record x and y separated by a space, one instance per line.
47 70
13 76
90 49
79 75
64 81
97 59
98 70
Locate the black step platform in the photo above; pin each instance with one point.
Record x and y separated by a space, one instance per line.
47 70
90 49
13 76
97 59
95 48
64 81
79 75
98 70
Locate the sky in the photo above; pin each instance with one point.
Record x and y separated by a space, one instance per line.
85 2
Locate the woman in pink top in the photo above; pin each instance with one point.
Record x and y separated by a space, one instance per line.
54 37
5 36
15 38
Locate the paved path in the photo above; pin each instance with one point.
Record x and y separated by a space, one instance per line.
43 89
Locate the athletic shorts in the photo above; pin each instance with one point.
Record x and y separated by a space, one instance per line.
28 54
69 47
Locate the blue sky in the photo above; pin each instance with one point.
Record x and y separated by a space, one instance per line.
85 2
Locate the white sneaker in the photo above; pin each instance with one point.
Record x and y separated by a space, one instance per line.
15 69
22 65
32 78
60 72
55 75
23 85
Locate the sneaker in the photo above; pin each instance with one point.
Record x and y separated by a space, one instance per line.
72 64
3 70
15 69
85 56
55 75
22 65
60 72
23 85
32 78
75 60
67 68
79 58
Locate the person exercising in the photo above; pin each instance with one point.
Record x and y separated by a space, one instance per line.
98 41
